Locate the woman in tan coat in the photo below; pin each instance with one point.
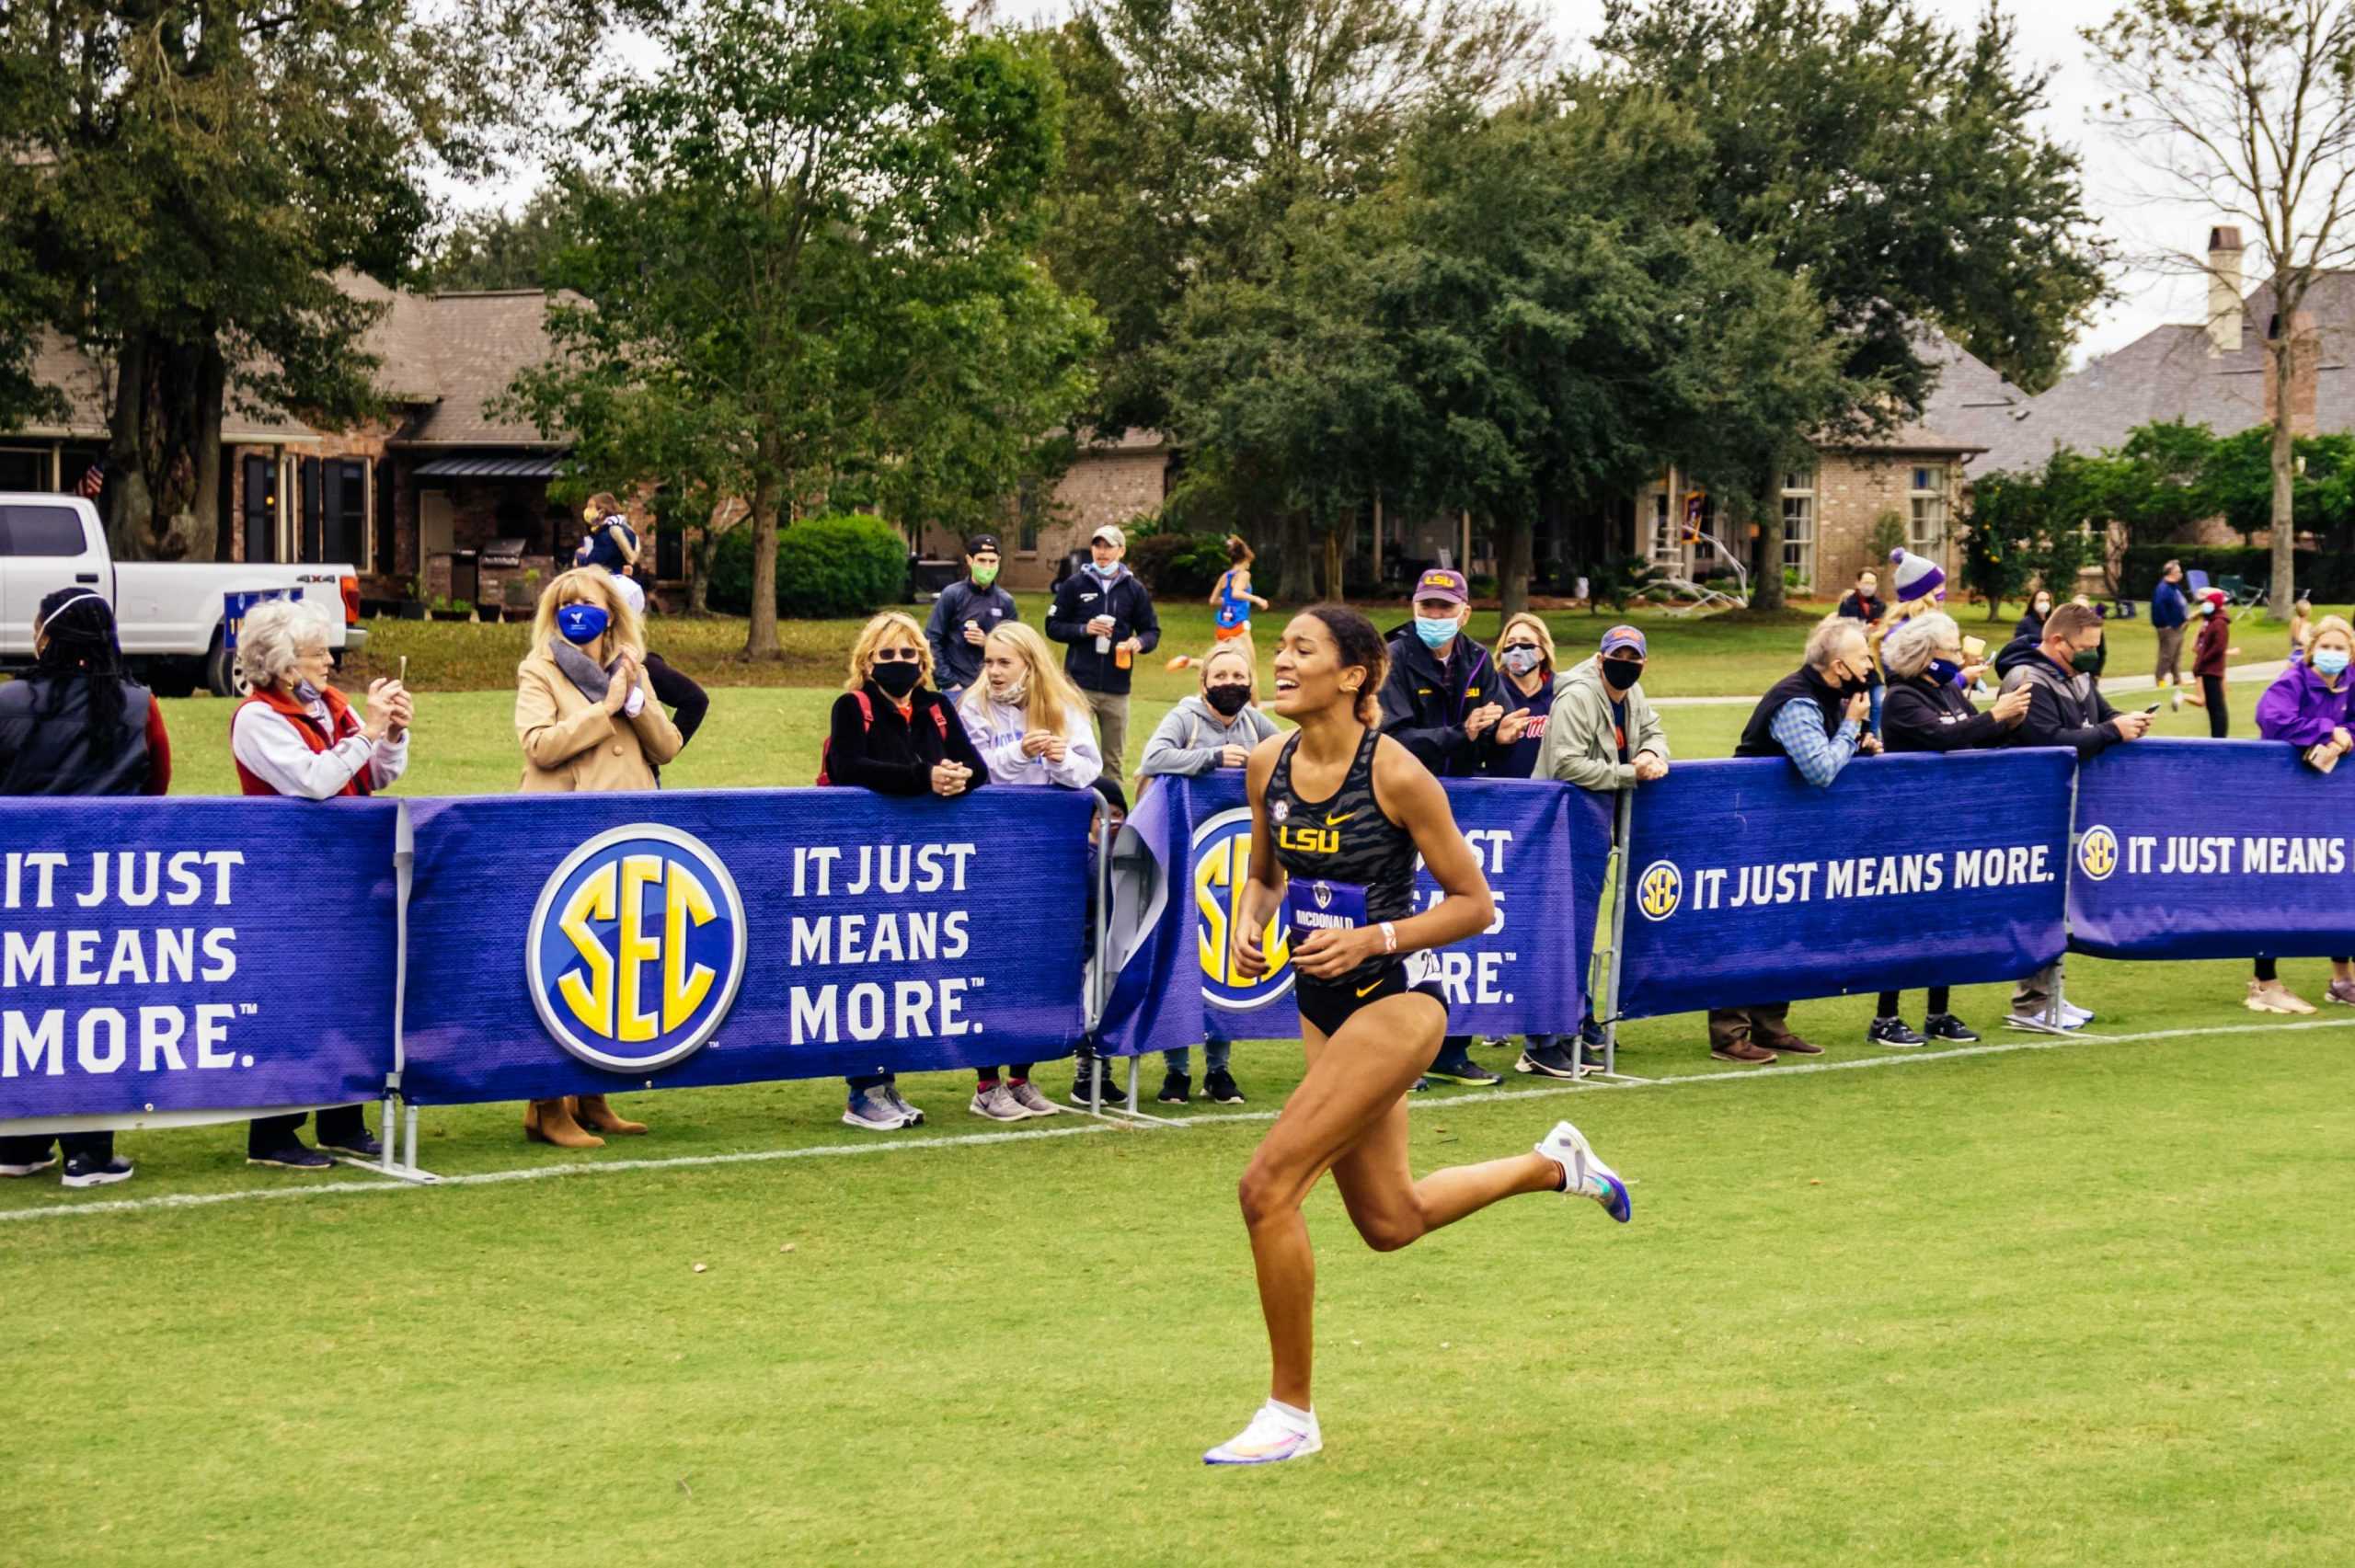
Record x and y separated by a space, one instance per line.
588 720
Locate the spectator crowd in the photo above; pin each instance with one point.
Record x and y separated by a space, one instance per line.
974 697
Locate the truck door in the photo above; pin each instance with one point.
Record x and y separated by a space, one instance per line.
42 547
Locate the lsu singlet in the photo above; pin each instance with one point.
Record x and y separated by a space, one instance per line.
1348 839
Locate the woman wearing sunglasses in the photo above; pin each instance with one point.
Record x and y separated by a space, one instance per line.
893 734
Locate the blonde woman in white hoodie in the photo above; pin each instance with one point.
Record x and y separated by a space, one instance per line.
1031 727
1026 718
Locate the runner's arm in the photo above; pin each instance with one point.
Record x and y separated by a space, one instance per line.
1263 890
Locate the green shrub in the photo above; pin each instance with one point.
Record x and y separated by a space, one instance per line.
827 568
1178 565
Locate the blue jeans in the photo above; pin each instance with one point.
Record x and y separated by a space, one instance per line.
1215 1056
1879 692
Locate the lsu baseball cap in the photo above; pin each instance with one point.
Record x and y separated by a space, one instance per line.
1441 583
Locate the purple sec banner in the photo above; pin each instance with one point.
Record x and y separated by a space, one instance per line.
194 955
2212 849
578 944
1187 851
1747 885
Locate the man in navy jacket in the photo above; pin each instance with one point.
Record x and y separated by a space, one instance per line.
2169 611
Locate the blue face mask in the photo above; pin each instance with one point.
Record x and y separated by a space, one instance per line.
2330 661
1945 671
582 624
1436 632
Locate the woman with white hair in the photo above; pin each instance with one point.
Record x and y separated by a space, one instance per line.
587 719
298 736
1929 709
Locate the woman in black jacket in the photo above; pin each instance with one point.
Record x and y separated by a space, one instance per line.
1928 710
76 724
893 734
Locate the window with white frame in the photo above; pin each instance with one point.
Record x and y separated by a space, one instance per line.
1926 529
1798 526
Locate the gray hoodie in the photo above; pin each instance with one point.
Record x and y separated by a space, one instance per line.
1189 737
1580 745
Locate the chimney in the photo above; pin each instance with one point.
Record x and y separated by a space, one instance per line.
2306 361
2223 291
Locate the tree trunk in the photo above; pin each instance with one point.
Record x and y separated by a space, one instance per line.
2285 539
760 641
701 556
198 540
1516 560
1766 582
133 506
1296 572
1335 592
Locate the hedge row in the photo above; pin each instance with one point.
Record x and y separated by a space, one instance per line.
826 568
2325 578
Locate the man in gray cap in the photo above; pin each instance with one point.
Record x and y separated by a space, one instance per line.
1105 617
1604 735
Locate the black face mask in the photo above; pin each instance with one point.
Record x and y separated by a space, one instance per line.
1227 700
1621 673
897 677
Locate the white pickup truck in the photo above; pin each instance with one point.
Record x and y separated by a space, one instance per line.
169 613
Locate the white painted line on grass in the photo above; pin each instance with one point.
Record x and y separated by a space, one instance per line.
1091 1125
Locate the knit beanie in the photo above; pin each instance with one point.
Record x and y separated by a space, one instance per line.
1916 577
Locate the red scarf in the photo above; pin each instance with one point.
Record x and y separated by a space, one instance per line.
340 721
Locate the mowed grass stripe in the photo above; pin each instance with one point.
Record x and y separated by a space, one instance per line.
2082 1307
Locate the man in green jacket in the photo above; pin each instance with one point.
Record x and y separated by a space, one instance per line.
1603 736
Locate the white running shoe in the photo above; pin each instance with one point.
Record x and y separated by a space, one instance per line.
996 1104
1271 1438
1583 1174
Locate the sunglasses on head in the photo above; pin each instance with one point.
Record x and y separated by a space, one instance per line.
897 655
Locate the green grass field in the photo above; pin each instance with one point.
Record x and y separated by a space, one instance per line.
2069 1305
2040 1302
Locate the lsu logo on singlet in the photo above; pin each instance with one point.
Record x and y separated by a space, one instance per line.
1221 862
2098 853
636 948
1660 889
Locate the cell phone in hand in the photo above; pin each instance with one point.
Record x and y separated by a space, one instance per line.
2148 711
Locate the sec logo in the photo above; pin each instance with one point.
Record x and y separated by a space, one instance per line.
636 948
1221 860
2098 853
1660 889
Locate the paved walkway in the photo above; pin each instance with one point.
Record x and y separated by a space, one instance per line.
2111 683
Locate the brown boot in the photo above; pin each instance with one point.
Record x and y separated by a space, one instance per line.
550 1121
592 1112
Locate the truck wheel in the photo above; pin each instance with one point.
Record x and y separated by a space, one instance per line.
174 676
221 677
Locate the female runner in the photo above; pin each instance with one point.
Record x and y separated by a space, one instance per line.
1345 812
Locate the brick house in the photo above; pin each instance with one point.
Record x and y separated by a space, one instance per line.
1111 480
439 493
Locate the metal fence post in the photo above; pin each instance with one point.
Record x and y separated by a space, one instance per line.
1617 869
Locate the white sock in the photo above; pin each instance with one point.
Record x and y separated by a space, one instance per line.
1298 1419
